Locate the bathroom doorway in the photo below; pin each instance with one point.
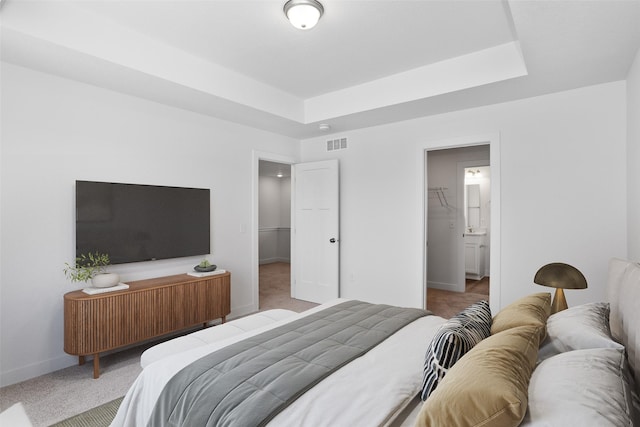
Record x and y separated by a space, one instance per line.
477 214
458 228
477 227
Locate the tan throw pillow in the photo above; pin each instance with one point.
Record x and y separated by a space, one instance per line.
488 385
532 310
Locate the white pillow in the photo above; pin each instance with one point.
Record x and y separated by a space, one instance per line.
586 388
577 328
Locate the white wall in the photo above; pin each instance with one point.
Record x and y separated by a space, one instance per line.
55 131
274 219
633 159
563 192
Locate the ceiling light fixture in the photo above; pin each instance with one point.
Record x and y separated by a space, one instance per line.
303 14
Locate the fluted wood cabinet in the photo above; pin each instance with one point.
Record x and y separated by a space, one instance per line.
149 308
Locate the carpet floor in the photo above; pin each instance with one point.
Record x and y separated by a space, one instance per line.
54 397
275 288
102 416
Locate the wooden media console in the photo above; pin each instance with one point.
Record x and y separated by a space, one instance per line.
149 308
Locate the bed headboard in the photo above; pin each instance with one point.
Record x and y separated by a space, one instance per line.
623 292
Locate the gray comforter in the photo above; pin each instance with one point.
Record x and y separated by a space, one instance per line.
247 383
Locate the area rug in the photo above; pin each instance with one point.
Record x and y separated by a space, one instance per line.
100 416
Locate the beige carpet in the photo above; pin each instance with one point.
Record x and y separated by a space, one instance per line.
54 397
275 288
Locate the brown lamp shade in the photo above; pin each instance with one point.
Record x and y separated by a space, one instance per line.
560 276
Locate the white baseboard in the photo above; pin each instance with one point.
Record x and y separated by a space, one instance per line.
237 312
36 369
274 259
452 287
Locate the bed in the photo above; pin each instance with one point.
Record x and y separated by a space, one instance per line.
527 367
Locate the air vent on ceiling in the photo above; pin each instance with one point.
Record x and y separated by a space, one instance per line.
336 144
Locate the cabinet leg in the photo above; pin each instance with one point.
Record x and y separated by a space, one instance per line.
96 366
81 360
224 319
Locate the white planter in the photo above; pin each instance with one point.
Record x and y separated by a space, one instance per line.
105 280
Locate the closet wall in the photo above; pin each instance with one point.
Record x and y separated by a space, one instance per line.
275 219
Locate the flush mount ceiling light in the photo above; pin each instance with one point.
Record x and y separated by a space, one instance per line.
303 14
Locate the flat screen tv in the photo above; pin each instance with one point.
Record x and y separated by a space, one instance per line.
132 222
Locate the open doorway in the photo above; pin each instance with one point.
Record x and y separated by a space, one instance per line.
274 233
458 222
477 228
274 238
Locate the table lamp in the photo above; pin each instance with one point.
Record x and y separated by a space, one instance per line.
560 276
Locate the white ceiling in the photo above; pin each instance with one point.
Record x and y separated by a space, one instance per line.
357 41
365 63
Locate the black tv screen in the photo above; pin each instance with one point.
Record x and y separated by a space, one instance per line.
132 222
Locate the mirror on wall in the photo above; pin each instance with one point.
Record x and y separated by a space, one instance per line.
476 198
472 205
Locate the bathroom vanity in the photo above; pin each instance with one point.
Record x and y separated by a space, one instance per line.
474 253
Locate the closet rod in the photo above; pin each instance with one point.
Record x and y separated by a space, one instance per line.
441 196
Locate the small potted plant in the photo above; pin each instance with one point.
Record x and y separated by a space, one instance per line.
92 266
205 266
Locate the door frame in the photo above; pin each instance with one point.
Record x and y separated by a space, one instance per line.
255 222
493 140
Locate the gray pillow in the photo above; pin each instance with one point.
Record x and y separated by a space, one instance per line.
581 388
581 327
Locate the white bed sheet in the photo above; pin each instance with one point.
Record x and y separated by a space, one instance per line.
370 391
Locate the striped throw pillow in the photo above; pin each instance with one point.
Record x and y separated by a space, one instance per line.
454 338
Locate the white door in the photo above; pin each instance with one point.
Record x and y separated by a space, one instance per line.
315 249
